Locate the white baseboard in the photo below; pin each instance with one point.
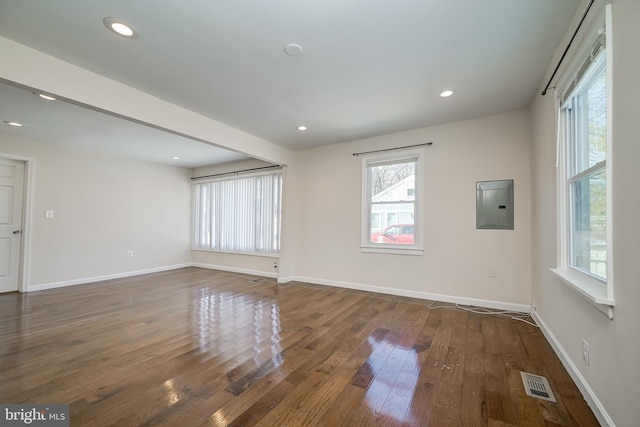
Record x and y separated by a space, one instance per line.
235 270
85 280
499 305
349 285
587 392
285 279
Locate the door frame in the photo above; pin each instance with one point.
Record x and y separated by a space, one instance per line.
25 247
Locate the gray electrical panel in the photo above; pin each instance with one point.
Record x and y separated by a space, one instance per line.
494 204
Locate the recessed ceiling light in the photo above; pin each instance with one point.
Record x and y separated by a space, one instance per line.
10 123
120 27
45 96
446 93
301 128
175 157
293 49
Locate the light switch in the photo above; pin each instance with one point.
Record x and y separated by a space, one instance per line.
49 214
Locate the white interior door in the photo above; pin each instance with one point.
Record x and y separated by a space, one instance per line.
11 192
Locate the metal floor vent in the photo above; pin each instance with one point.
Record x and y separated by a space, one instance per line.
537 386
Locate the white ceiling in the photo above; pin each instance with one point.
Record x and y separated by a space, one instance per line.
369 67
70 125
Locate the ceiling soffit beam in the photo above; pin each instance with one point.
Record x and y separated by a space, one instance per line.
32 68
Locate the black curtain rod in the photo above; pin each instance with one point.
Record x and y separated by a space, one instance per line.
235 172
544 92
390 149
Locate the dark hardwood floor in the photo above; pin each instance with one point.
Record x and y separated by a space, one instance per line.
195 347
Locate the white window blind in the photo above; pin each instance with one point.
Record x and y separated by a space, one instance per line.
239 214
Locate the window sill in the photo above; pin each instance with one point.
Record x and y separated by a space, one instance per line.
589 289
263 254
392 250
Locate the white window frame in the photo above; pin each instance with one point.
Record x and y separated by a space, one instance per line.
213 247
399 156
595 290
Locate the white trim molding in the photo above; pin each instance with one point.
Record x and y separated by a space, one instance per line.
94 279
590 289
235 270
587 392
87 280
498 305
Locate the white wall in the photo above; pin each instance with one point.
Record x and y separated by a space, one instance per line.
104 206
325 189
614 345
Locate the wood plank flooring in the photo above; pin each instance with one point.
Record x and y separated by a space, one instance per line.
196 347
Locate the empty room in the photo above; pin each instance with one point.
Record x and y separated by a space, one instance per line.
331 213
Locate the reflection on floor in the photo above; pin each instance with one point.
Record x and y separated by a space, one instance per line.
202 347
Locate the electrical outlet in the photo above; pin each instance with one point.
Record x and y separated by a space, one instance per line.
585 351
129 252
534 307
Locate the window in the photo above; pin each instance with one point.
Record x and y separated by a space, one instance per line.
585 113
584 180
391 203
241 214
